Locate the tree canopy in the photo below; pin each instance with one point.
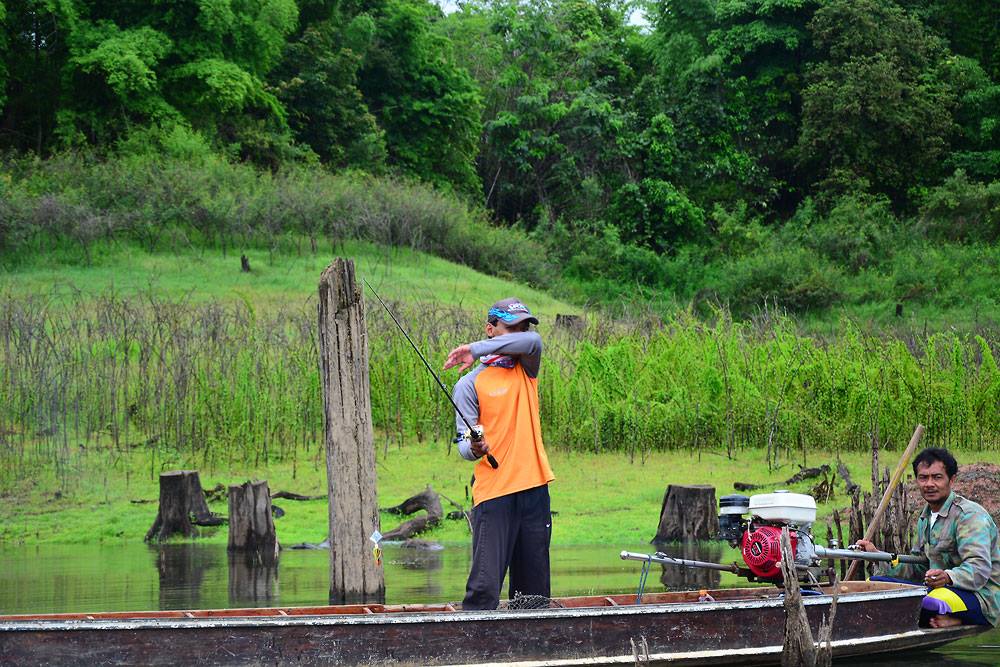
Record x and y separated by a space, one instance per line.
558 116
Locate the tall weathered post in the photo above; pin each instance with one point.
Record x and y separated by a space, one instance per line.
350 450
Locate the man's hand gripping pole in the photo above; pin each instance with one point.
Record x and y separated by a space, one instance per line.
476 435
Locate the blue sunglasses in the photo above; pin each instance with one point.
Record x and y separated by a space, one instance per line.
501 315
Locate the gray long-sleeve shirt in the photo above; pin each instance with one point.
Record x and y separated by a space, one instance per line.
525 348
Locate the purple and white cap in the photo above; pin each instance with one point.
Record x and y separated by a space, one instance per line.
510 311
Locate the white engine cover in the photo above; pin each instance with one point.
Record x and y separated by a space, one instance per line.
794 508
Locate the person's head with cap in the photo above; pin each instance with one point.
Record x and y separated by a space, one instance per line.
508 316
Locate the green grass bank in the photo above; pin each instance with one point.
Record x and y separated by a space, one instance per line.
605 498
136 362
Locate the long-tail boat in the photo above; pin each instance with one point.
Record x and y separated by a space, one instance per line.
718 627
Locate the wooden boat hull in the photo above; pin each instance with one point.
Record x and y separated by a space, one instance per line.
744 626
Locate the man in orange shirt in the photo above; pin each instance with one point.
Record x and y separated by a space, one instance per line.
511 520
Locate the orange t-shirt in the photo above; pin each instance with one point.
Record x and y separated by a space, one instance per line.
508 413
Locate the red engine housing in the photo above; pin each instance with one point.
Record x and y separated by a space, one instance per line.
761 551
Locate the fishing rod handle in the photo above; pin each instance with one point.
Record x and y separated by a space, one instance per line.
476 435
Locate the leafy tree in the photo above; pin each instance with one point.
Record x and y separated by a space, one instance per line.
559 137
976 148
876 111
87 72
33 36
318 83
712 161
971 28
427 105
764 46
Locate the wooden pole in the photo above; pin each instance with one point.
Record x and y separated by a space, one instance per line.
798 649
897 476
355 576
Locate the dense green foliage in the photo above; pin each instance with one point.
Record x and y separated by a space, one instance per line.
724 151
858 256
170 204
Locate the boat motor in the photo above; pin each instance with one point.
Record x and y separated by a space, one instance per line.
759 537
753 525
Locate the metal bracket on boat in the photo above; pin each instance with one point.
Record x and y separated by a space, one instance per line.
646 563
660 557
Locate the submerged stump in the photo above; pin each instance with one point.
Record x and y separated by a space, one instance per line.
181 500
676 578
688 513
251 526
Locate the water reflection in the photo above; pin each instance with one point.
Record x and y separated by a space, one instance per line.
181 569
676 578
424 559
82 578
252 582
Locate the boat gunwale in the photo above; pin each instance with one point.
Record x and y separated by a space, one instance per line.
261 617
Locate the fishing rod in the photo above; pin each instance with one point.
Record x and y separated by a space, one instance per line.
475 432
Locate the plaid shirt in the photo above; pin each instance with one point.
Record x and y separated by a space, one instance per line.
963 542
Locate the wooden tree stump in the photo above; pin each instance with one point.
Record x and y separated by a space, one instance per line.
350 451
688 513
427 500
575 323
181 496
251 527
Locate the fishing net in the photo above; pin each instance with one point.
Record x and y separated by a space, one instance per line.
522 602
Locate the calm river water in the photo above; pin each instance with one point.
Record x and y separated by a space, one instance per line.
71 578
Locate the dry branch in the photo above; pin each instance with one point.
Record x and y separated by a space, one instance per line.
428 500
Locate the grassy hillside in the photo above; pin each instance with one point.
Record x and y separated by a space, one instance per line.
277 280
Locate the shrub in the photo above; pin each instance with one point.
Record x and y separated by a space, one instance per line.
737 231
857 233
210 202
961 210
790 276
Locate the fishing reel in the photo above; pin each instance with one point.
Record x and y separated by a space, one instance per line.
476 434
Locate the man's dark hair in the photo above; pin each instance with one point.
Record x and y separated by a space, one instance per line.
932 454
